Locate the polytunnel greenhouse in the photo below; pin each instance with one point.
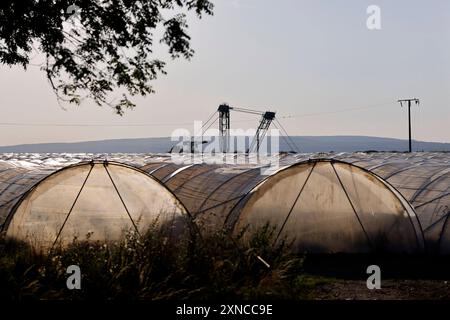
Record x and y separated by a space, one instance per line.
424 180
96 200
323 206
355 202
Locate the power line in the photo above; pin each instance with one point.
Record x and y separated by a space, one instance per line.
285 139
30 124
207 128
209 119
292 143
25 124
336 111
285 132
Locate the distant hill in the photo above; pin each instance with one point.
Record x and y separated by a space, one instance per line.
161 145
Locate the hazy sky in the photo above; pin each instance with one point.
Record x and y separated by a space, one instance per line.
312 59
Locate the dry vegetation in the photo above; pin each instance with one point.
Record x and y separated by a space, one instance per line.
155 267
160 267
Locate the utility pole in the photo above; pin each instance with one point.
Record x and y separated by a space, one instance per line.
417 102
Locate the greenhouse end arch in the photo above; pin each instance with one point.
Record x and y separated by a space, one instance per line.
424 180
327 206
96 200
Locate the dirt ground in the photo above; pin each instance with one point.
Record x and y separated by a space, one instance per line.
339 289
343 277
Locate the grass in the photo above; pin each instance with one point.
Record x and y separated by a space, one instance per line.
157 266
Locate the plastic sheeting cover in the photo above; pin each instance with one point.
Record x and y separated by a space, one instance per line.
95 201
328 207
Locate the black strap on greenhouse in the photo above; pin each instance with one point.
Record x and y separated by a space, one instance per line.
444 225
11 200
432 200
4 170
424 187
13 182
415 189
353 207
73 204
444 216
221 203
105 165
440 218
225 182
380 165
295 202
403 170
193 177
